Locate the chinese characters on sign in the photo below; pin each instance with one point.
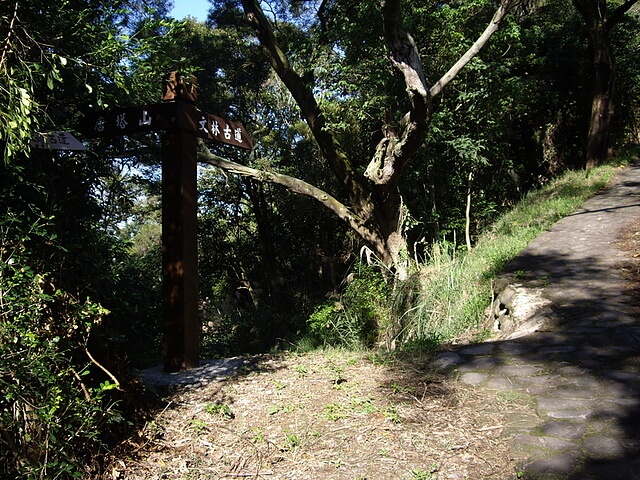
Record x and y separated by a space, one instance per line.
56 141
168 116
131 120
224 131
146 119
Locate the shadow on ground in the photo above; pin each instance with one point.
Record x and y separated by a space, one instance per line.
581 366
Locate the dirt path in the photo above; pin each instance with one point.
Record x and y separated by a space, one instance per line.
560 399
337 415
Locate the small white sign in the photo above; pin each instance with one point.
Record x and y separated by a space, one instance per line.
57 141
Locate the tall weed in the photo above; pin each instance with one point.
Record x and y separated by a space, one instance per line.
356 317
445 299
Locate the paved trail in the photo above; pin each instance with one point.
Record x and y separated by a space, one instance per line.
581 366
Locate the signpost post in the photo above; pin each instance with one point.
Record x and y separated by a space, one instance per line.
182 124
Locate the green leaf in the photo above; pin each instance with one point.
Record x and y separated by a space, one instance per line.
273 409
105 386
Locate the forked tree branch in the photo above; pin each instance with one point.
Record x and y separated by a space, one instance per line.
399 144
7 41
617 14
294 185
493 26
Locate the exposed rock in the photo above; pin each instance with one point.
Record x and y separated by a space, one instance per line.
519 310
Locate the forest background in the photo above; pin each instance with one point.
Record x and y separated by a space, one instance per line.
372 169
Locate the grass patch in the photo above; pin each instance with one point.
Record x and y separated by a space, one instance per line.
219 410
516 397
445 299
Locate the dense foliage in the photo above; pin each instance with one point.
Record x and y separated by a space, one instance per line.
62 269
513 119
54 411
80 248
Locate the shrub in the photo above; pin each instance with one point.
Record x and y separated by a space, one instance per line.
53 405
358 317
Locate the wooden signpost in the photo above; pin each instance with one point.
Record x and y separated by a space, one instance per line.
182 124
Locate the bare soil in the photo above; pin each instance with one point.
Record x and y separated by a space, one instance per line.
629 241
326 415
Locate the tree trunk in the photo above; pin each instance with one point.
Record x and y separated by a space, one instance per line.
599 24
602 104
390 215
602 100
467 225
275 286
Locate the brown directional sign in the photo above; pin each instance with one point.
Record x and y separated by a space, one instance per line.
178 115
124 121
181 122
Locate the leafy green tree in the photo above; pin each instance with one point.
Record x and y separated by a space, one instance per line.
373 207
62 269
511 120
